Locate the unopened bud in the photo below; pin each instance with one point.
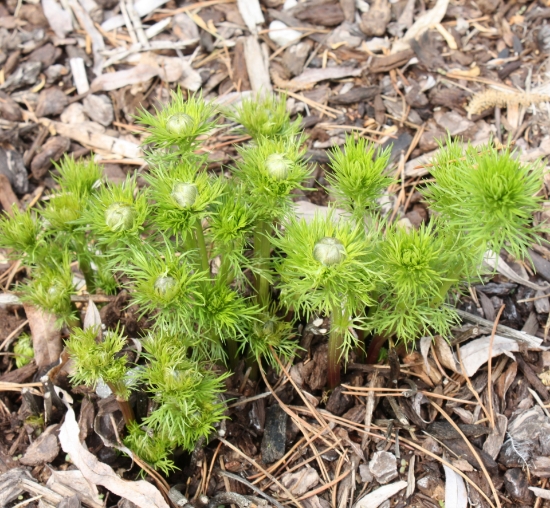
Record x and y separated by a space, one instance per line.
269 327
54 291
277 166
329 251
185 194
120 217
179 123
165 285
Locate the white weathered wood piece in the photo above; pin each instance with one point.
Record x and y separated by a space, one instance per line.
80 78
256 65
142 7
98 44
251 13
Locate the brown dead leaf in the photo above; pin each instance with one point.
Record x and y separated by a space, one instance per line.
46 336
43 450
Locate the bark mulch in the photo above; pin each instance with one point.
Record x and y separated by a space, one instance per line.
437 426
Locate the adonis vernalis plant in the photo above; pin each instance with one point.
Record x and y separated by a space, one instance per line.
217 263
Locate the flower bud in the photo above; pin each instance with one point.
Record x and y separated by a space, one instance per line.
185 194
277 166
55 291
164 286
120 217
269 327
179 123
329 251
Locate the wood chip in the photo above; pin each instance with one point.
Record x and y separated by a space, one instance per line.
142 8
257 65
98 45
80 78
251 13
101 142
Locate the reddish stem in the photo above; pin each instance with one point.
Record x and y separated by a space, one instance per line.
375 345
333 375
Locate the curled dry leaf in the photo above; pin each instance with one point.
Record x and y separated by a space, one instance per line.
141 493
494 441
476 353
378 496
92 317
445 354
45 449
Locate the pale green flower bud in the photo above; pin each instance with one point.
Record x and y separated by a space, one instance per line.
164 286
179 123
185 194
120 217
277 166
329 251
269 327
55 291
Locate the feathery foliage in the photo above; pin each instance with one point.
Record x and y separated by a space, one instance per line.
265 116
488 196
218 264
357 178
99 360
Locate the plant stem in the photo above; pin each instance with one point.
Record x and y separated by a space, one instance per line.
88 273
201 243
375 345
335 341
127 411
123 404
262 251
254 368
232 353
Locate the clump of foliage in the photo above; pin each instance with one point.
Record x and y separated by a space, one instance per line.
217 261
23 350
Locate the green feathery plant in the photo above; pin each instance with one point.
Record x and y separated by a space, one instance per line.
217 264
24 353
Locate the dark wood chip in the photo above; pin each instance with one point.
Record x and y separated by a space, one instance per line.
21 375
51 102
387 63
325 15
52 150
357 94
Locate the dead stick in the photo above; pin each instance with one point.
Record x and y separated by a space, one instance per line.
490 368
